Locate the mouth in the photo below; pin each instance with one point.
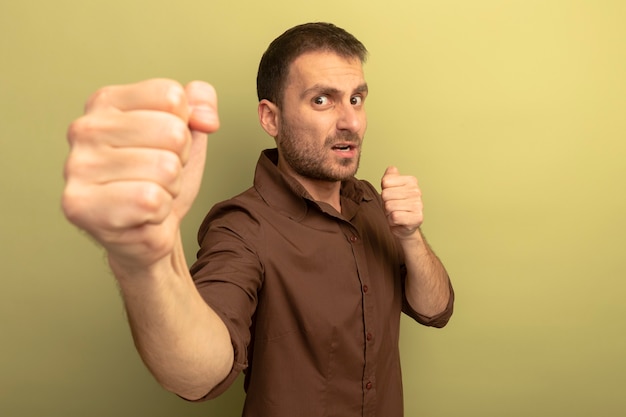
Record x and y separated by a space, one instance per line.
344 147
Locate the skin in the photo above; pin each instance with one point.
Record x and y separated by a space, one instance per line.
134 169
322 111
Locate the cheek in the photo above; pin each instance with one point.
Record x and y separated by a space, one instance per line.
317 130
313 127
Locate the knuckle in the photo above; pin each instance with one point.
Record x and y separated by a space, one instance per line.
100 96
89 129
175 97
179 135
79 129
169 166
150 198
72 205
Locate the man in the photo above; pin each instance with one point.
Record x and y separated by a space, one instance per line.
301 279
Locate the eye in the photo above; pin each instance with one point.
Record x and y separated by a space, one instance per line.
356 100
321 100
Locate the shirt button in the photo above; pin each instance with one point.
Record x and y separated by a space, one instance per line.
369 336
368 385
365 288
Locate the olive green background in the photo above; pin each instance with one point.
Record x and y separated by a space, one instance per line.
511 114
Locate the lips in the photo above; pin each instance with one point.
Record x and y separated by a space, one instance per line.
344 147
344 142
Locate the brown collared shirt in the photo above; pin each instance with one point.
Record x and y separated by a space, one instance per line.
311 297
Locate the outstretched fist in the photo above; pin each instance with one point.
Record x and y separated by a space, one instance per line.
135 164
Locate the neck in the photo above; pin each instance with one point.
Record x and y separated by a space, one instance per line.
323 191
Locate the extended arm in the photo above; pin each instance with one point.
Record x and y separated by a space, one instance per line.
134 169
184 344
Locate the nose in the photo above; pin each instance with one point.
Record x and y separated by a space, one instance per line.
351 118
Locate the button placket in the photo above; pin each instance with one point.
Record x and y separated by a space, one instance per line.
368 381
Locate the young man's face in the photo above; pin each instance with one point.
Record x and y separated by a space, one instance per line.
322 121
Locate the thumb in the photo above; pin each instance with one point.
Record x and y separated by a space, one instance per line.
203 119
391 171
202 99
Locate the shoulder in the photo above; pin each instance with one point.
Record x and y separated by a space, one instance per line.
239 213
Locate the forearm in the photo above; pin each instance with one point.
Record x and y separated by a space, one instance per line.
180 338
427 284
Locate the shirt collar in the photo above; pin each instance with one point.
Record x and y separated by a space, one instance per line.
286 195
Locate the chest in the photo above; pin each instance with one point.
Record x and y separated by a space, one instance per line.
325 274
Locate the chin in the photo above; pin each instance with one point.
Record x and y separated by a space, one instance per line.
346 173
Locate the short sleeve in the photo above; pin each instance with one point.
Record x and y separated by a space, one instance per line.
228 274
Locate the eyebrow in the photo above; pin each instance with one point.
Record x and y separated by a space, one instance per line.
320 88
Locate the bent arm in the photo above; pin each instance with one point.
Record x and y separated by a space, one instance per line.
182 341
427 286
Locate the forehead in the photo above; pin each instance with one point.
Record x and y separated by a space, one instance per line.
326 69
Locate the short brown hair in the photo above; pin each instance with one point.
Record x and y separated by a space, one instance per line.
308 37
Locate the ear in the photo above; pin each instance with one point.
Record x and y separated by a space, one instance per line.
268 117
